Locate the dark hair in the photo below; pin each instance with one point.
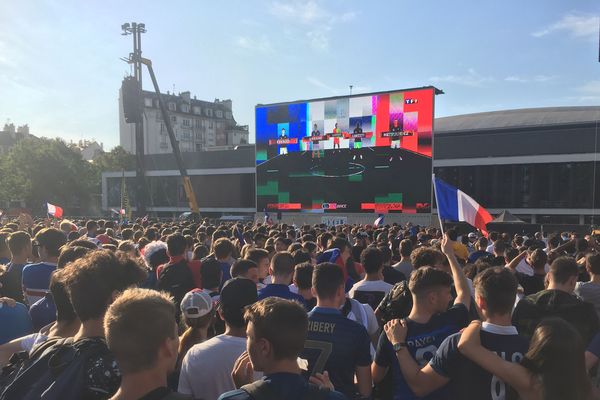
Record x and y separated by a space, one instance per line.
283 323
426 257
18 241
386 254
539 258
176 244
339 243
510 254
556 356
563 268
499 247
282 264
301 256
498 287
241 267
256 255
406 247
326 279
425 279
223 248
452 235
52 240
592 263
200 251
211 273
91 281
303 275
372 260
60 296
70 254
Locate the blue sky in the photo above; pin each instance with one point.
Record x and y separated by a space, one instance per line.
60 70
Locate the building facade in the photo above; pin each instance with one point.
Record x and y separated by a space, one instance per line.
541 164
198 125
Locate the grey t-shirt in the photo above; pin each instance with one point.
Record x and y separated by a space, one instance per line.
589 292
405 267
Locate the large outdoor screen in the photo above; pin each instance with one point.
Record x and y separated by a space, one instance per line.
363 153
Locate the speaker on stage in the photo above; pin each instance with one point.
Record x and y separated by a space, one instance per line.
132 100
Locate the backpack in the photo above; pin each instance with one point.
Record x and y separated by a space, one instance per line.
22 360
397 303
262 390
176 279
58 372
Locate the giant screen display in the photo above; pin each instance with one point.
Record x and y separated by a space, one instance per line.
363 153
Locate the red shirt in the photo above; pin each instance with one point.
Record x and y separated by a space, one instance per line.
193 265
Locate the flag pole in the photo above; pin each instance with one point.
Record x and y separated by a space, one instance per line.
436 200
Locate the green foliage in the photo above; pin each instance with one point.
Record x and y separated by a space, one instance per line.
39 170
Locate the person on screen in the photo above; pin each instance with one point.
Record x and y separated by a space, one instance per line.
356 143
336 139
283 147
316 150
395 126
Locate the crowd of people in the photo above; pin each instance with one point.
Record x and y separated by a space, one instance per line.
198 310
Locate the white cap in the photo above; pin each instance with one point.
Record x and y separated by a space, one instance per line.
196 303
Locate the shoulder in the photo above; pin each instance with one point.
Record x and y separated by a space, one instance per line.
238 394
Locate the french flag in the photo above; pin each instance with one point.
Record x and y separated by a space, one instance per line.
118 212
454 205
379 220
55 211
268 219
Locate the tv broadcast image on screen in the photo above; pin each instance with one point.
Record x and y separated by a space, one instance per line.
368 153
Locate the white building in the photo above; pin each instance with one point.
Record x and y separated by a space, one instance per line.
90 149
198 125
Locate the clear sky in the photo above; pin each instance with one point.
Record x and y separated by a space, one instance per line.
60 70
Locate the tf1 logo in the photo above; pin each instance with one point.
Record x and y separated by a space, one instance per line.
333 206
411 101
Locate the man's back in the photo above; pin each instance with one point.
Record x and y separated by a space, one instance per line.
36 280
279 290
467 379
337 345
370 292
405 267
556 303
15 322
281 386
423 340
206 369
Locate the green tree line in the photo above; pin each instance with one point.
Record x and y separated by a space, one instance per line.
40 170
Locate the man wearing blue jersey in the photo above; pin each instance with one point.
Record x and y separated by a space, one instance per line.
495 291
428 324
334 343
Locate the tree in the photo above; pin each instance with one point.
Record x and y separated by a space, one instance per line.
40 170
118 159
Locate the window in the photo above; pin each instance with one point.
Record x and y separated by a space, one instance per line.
210 124
186 122
172 106
148 102
228 115
198 136
219 114
208 112
198 147
186 135
173 119
163 131
185 108
196 110
197 123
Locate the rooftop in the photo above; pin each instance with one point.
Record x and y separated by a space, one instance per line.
525 117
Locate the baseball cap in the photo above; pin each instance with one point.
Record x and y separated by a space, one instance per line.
196 303
238 293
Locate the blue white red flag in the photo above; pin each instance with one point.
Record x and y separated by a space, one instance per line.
455 205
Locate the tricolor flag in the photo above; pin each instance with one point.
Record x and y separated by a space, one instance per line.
454 205
239 235
121 212
379 220
145 219
55 211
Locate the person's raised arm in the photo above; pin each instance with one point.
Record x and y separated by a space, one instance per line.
463 293
515 261
513 374
421 381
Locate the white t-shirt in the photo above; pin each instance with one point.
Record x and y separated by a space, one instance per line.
33 339
206 368
370 286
